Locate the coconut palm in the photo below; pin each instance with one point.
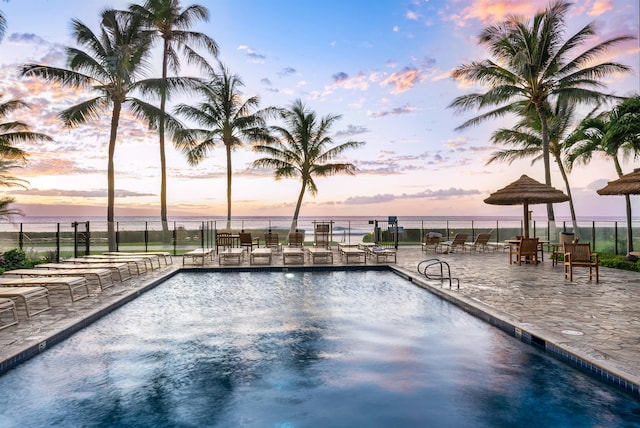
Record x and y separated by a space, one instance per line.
616 134
113 65
167 20
11 133
301 148
533 63
3 25
15 132
225 117
525 141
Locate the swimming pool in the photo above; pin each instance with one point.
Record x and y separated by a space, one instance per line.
300 350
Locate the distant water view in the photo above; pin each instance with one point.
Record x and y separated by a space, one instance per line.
605 233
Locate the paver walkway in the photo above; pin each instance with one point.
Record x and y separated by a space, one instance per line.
600 322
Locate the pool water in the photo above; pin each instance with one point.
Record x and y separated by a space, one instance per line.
321 349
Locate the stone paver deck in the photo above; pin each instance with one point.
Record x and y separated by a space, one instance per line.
597 322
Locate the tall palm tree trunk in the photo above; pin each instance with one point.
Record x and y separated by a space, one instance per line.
572 210
545 157
627 201
296 213
228 149
163 159
111 232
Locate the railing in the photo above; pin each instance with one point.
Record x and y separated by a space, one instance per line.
55 240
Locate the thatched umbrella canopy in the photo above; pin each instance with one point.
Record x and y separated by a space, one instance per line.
526 191
628 184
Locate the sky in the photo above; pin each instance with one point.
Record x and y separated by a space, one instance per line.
384 66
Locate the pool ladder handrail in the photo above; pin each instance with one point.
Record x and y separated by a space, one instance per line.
437 262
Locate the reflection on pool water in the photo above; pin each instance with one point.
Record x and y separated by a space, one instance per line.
322 349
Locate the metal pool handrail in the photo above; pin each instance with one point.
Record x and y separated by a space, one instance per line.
437 262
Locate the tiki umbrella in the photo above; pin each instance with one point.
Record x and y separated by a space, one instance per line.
526 191
628 184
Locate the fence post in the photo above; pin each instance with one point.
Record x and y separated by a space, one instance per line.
146 236
75 238
20 237
175 239
593 235
117 236
87 240
616 236
57 242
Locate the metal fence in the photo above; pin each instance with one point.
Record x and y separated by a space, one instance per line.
56 240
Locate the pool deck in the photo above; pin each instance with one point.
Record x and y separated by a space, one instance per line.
598 323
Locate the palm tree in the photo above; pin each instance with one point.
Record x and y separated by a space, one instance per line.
302 150
168 21
225 117
15 132
616 134
112 65
3 25
526 142
6 212
11 133
531 64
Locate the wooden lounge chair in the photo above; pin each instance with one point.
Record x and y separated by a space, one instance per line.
260 254
121 271
292 255
296 239
162 255
28 295
224 240
381 253
317 255
431 240
526 250
350 252
453 245
132 266
232 256
198 254
481 243
272 240
102 276
145 262
72 283
321 235
8 305
580 255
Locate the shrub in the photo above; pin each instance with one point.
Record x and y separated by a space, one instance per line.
618 262
15 259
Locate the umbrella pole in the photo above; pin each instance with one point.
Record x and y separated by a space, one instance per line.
526 220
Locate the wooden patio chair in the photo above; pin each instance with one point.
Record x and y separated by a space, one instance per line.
246 241
527 250
580 255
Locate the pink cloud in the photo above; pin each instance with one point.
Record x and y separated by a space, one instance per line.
600 7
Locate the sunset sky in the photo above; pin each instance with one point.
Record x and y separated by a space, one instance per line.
383 65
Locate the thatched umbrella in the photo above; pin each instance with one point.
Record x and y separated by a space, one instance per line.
526 191
628 184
